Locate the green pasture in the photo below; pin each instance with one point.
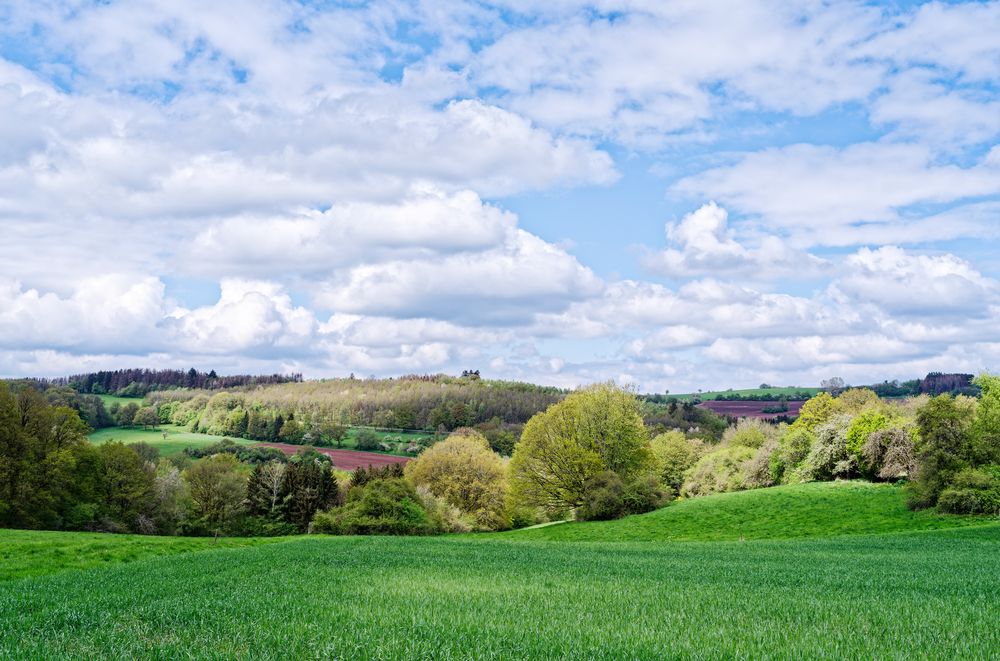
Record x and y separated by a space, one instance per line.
817 509
170 439
747 392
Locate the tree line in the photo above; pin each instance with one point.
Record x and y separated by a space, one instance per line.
139 382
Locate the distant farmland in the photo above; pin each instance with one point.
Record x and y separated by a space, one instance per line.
751 408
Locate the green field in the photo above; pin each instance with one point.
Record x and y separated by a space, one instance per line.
817 509
121 401
177 438
748 392
36 553
915 593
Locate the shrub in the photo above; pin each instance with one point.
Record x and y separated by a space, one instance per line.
828 458
675 454
889 453
973 491
749 432
362 475
793 448
466 473
719 471
759 472
445 517
367 440
381 507
862 426
604 498
645 493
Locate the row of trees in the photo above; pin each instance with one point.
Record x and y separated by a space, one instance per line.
139 382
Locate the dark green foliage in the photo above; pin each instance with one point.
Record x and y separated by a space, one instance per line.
146 452
308 486
942 449
380 507
363 475
247 454
608 497
367 440
972 491
126 487
604 498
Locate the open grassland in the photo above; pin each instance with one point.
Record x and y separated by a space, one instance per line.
36 553
817 509
927 594
177 438
748 392
121 401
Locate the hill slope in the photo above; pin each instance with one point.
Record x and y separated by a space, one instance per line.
927 595
818 509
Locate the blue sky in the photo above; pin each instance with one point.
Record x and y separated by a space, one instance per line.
674 195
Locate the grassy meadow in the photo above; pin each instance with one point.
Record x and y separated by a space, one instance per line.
816 509
170 439
542 593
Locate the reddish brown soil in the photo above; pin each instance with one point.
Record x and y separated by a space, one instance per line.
750 409
346 460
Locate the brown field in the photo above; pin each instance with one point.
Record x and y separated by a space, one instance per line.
346 460
750 409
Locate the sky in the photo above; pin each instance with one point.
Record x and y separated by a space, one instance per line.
675 195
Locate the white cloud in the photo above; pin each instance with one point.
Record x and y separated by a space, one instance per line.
707 246
821 194
906 284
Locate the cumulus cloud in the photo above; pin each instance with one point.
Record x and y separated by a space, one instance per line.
707 246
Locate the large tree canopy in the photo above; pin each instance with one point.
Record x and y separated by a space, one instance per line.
591 431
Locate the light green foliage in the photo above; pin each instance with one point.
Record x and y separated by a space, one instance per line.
749 433
815 412
675 454
170 440
856 401
986 426
467 474
793 448
862 426
828 457
592 430
760 469
718 471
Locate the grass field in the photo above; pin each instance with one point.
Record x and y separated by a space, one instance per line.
36 553
818 509
748 392
177 438
926 594
121 401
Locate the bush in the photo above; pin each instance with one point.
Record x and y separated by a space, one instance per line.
889 453
759 472
675 454
466 473
367 440
828 458
381 507
645 493
973 491
749 432
719 471
445 517
793 448
604 498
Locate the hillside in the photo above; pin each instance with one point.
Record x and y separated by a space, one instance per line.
818 509
792 392
406 598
